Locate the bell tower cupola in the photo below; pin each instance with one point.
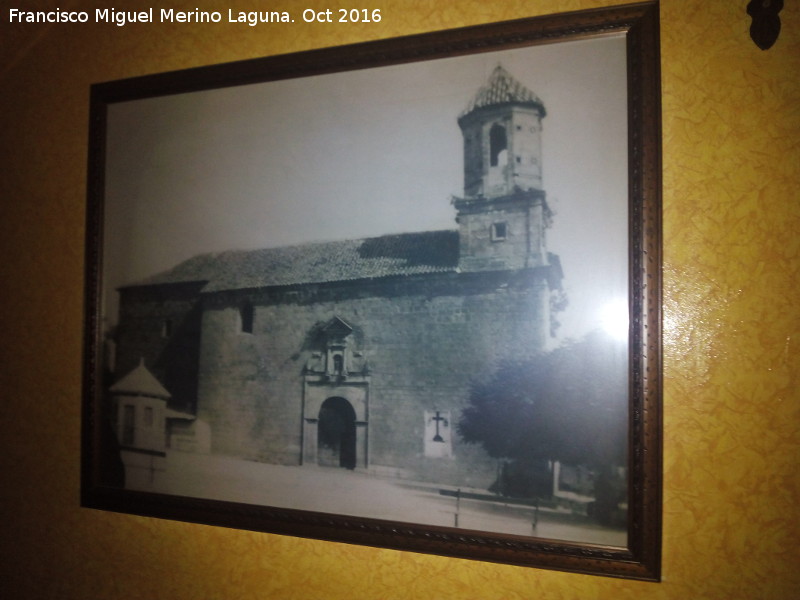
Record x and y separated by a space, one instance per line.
502 138
503 215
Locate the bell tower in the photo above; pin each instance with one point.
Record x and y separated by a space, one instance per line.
502 138
503 214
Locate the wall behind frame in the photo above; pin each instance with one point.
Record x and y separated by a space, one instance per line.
731 166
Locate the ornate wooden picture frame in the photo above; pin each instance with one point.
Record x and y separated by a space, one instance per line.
404 294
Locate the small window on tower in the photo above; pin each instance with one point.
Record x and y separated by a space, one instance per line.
499 232
128 424
166 328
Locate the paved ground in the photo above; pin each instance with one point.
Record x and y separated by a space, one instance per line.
354 493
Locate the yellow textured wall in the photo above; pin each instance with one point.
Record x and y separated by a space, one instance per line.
731 126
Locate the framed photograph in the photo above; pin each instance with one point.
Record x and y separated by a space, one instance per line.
403 293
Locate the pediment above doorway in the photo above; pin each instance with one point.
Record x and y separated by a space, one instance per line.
336 353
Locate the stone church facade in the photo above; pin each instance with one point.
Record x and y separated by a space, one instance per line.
360 354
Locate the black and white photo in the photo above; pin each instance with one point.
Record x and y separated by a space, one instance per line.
404 293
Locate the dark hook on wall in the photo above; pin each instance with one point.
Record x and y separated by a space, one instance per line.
766 23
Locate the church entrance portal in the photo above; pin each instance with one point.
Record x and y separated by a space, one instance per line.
336 434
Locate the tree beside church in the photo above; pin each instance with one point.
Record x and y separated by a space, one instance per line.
563 411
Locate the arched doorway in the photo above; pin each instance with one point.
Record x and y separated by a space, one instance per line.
336 434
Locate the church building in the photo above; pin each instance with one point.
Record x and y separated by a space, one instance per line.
360 354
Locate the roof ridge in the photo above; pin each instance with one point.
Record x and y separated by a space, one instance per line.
322 243
317 262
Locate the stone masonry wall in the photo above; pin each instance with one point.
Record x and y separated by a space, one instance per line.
425 339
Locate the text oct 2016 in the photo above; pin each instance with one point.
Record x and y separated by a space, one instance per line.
164 15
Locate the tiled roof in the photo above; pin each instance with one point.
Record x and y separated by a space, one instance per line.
502 88
385 256
140 382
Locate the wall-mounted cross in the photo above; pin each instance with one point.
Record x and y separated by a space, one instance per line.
437 419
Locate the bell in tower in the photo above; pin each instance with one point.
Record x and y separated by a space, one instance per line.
503 215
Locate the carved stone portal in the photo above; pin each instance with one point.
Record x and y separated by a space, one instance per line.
335 399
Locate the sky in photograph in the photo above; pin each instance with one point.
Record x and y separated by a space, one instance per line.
362 154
